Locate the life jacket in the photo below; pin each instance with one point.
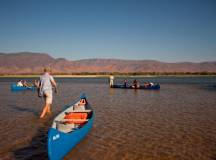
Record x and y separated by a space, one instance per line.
76 118
76 115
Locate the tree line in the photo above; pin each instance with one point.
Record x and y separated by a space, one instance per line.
122 74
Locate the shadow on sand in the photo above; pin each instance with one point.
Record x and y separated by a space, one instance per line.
37 149
22 109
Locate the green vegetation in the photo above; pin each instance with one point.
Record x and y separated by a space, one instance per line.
140 73
20 75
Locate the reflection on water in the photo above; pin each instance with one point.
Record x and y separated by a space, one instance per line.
177 122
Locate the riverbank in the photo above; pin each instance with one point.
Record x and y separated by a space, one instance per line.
60 76
104 76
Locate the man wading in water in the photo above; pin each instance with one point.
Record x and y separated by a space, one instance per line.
45 89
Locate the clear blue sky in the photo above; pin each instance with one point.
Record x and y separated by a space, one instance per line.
164 30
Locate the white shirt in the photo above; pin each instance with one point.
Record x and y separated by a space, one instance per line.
19 84
45 81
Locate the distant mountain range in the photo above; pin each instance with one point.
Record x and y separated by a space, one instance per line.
33 63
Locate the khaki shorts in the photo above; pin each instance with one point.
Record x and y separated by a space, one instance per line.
48 97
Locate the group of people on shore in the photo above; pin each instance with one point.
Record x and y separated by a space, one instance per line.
44 87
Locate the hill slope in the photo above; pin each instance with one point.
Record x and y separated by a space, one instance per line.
33 63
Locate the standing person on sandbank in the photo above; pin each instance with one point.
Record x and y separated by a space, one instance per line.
45 89
111 81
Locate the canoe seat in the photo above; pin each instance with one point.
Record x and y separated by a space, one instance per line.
64 127
79 107
81 111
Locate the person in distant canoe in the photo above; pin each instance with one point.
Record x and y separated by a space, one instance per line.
36 83
111 81
25 83
135 83
19 83
125 83
45 89
146 84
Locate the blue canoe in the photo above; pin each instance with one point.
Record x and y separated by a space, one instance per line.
14 87
153 87
66 132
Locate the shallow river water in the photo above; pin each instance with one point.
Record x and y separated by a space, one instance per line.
178 122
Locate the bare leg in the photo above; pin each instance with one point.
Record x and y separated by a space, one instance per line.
48 102
45 110
48 108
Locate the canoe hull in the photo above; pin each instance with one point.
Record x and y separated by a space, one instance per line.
155 87
61 143
14 87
